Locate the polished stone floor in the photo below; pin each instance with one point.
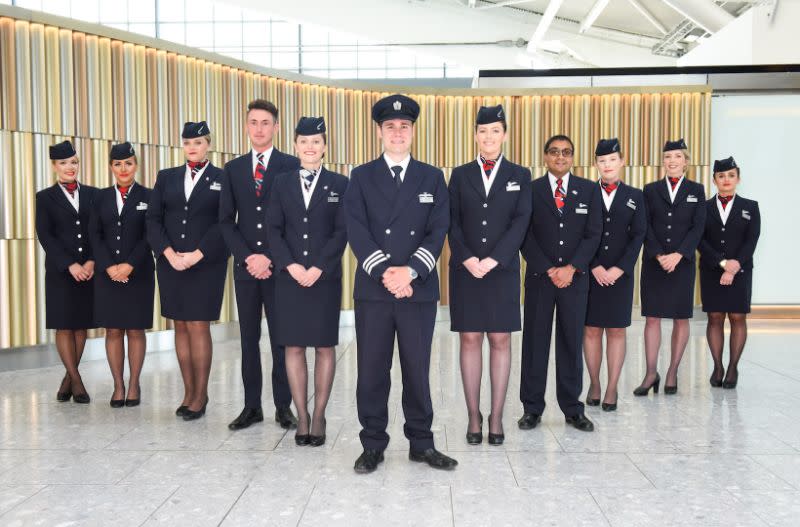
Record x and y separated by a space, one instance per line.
703 457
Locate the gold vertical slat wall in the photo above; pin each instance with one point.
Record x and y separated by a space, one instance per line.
58 84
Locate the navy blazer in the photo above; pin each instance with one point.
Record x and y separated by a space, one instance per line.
63 231
624 229
242 215
571 238
674 227
186 225
387 227
489 226
736 239
121 238
313 237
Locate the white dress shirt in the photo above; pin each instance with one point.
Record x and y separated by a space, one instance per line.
487 181
403 164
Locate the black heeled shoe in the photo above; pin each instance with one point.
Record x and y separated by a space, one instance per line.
495 439
610 407
644 390
671 390
66 395
730 385
303 439
716 381
475 438
314 440
134 402
117 403
191 415
181 410
590 401
80 398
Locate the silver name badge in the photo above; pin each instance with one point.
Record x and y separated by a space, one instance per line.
691 199
215 186
512 186
426 198
141 206
581 211
631 204
333 199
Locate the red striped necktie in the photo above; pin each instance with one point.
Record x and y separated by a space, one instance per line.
488 166
123 192
196 166
559 195
259 174
673 181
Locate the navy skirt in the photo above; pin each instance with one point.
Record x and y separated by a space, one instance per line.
734 298
194 294
485 305
667 295
610 306
125 306
69 304
307 316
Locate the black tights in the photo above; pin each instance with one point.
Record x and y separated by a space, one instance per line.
715 334
193 347
70 344
115 351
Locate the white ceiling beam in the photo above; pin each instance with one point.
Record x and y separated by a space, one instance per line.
704 13
544 24
594 12
649 16
504 3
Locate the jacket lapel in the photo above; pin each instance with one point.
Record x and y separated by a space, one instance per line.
201 187
623 191
408 189
475 178
500 179
573 197
295 192
384 180
322 188
542 186
661 188
59 197
129 202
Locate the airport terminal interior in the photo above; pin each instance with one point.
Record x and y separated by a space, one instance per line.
573 83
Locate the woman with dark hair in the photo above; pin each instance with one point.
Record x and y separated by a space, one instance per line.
123 290
733 226
183 231
307 237
490 208
611 284
676 215
62 227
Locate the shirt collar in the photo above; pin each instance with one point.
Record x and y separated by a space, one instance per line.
267 154
404 163
553 179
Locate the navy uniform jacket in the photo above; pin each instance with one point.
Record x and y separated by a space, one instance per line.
624 229
387 226
736 239
63 231
674 227
121 238
313 237
243 215
489 226
186 226
555 240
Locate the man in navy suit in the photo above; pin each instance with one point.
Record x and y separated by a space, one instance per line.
397 214
562 240
242 211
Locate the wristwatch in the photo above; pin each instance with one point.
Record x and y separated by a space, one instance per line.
414 273
723 263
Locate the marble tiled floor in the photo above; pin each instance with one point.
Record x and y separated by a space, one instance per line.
704 457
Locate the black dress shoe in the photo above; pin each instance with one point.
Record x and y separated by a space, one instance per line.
181 410
191 415
319 440
433 458
368 461
81 398
248 417
580 422
529 421
66 394
285 418
117 403
134 402
644 390
495 439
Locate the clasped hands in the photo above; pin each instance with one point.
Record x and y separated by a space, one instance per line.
561 276
82 273
397 280
479 268
607 277
669 262
304 277
120 272
731 268
182 261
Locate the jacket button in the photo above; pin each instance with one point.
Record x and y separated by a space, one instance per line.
183 221
483 222
79 236
606 233
258 243
669 214
388 255
723 241
388 231
258 208
561 242
80 249
305 220
483 240
77 222
608 220
412 233
258 226
668 240
183 236
186 207
485 205
118 237
723 229
305 253
305 236
117 251
119 224
561 225
669 226
605 247
560 259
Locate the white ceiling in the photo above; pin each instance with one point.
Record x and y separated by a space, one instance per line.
477 34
